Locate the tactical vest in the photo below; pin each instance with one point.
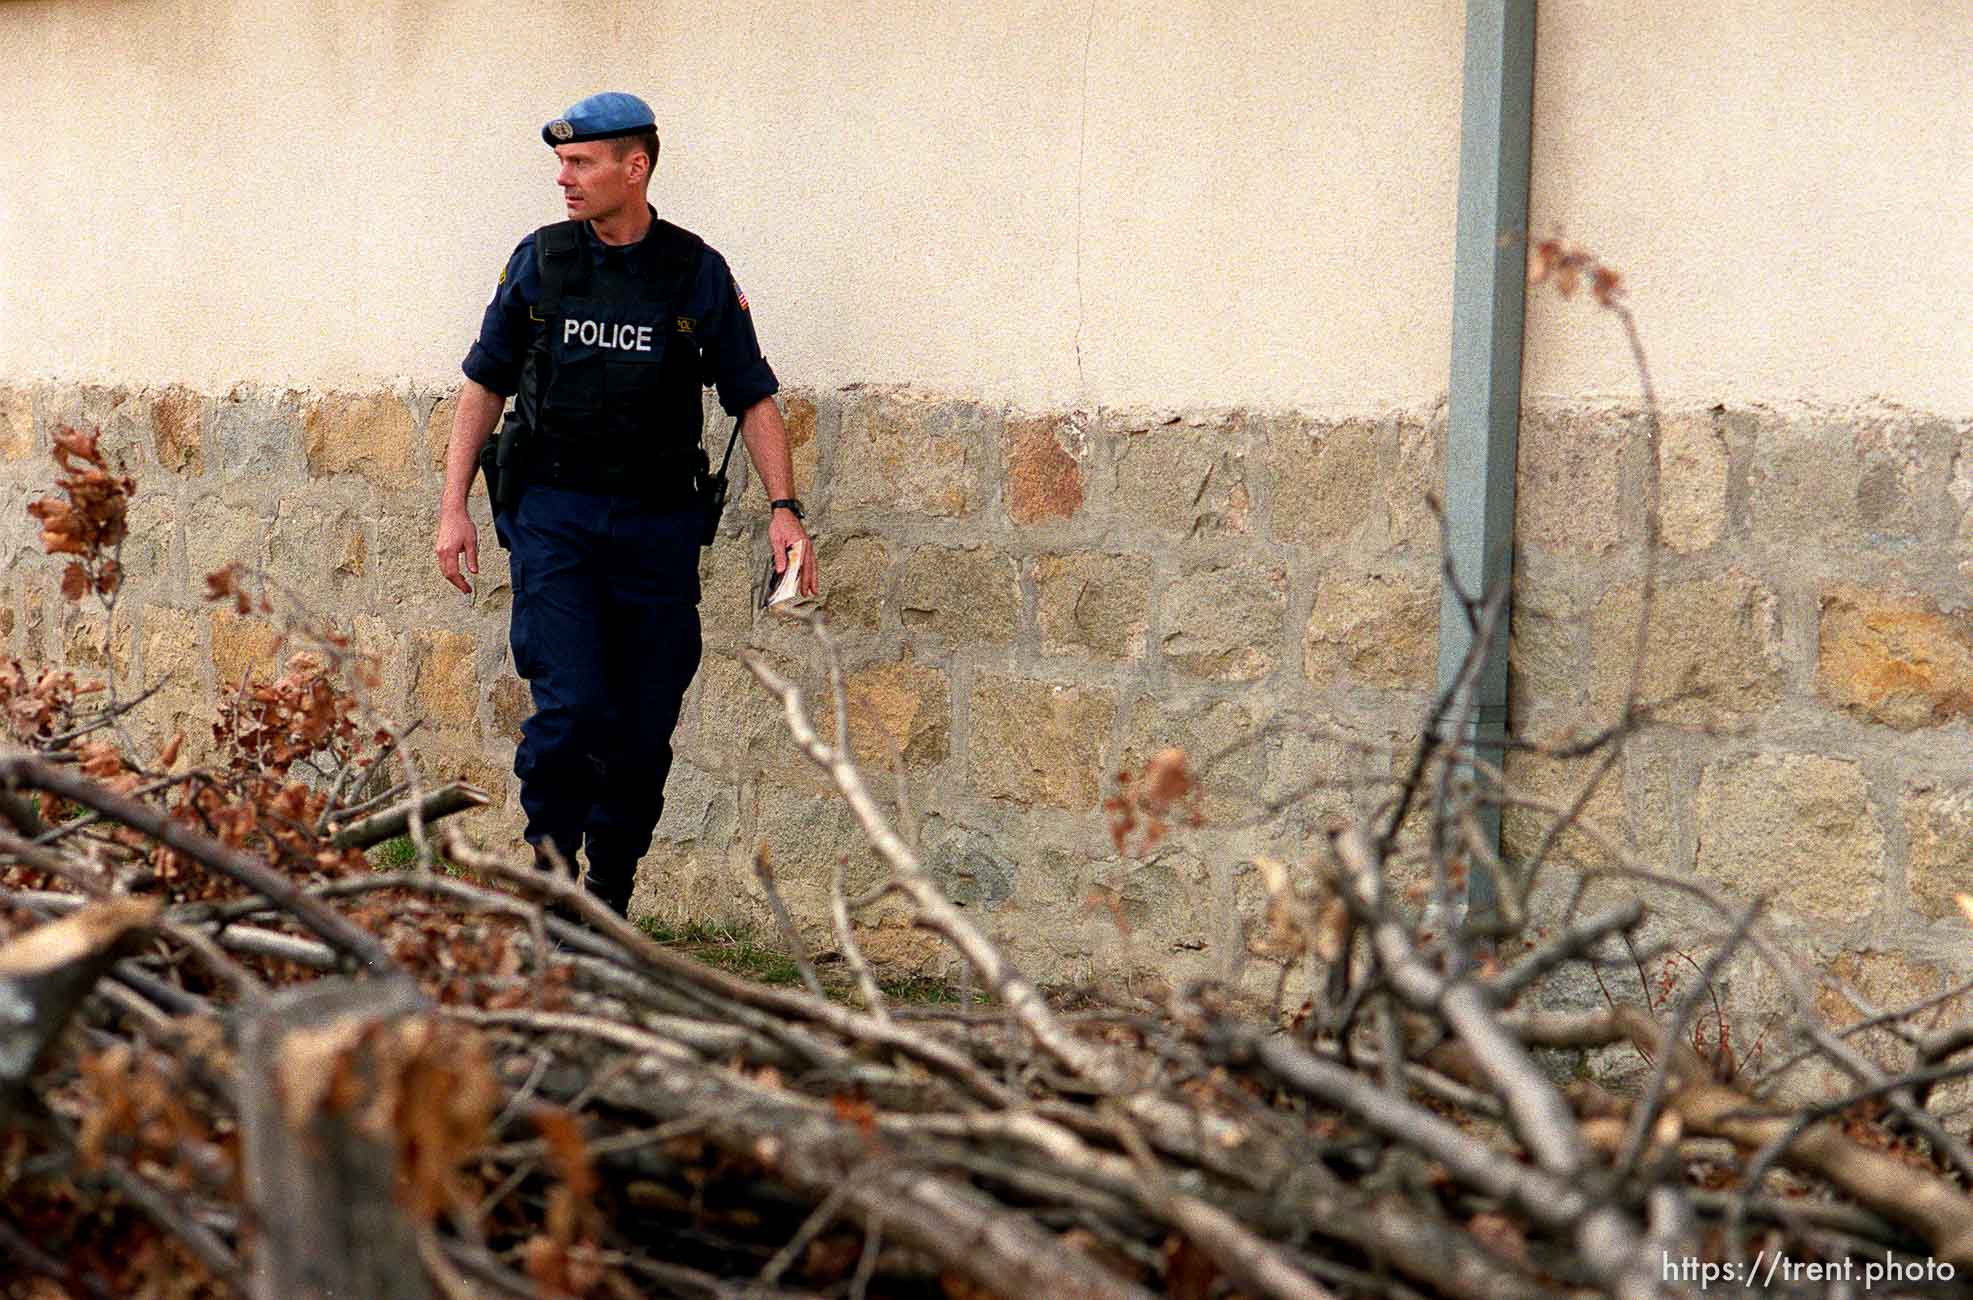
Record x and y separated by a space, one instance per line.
611 383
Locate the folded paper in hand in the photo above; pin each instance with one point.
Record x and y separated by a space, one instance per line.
784 593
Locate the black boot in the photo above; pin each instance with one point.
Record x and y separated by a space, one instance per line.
613 886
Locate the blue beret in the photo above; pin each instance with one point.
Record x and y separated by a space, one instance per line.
600 117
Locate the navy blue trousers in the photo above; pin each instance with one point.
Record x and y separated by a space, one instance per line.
605 629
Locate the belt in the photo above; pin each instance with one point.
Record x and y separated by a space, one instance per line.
660 481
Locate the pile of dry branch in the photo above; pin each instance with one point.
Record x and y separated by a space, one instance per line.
326 1080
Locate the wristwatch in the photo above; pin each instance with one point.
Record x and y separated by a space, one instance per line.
787 503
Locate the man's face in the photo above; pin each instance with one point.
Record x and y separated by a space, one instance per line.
596 184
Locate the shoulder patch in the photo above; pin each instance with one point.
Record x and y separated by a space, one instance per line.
503 275
740 294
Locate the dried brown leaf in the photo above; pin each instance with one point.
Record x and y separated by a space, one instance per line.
1167 778
568 1150
1189 1271
74 443
99 759
1541 260
857 1111
1332 931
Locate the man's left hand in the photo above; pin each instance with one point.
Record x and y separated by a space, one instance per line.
783 531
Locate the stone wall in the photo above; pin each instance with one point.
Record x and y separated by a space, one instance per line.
1028 603
1814 634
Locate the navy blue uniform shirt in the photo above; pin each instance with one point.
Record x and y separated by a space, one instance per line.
729 354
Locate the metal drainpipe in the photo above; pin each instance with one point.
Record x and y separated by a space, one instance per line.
1484 391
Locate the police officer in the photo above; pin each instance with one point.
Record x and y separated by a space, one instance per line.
604 328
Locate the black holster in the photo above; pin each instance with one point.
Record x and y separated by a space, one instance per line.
500 461
709 486
710 491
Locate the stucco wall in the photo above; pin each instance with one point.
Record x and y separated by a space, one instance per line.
1100 204
1784 185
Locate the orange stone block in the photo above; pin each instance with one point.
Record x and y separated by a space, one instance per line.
1043 479
1896 661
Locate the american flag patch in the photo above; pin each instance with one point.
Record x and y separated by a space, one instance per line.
741 294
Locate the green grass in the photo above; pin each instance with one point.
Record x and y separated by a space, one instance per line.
398 851
926 990
728 949
754 955
761 957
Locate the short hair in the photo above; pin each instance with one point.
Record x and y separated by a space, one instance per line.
625 145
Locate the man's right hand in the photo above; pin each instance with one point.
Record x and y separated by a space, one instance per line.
456 536
479 411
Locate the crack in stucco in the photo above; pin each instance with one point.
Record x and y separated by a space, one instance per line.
1082 153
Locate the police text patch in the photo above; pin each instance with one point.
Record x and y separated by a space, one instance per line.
616 335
